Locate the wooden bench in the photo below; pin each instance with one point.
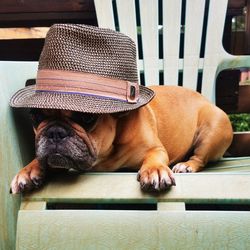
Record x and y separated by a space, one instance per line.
108 210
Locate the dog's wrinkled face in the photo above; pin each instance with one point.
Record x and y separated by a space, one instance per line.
66 139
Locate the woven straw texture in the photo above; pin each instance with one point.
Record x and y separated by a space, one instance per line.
88 49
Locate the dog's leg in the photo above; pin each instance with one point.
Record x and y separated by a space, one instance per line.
28 177
155 175
211 141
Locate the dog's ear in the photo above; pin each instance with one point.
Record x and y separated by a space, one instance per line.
120 114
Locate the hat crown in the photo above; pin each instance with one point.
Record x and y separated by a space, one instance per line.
89 49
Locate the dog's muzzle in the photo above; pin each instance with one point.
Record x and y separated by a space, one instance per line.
57 133
60 147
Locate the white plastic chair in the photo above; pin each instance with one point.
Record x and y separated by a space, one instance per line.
203 23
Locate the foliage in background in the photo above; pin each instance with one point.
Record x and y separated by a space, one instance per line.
239 23
240 122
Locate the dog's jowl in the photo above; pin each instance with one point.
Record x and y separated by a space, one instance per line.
90 114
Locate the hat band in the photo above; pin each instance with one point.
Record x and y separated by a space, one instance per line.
86 84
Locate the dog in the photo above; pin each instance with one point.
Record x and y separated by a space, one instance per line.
179 128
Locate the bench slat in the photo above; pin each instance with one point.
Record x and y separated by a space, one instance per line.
89 229
123 187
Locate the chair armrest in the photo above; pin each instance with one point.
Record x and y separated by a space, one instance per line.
233 63
15 148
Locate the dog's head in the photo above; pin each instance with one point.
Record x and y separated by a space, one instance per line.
67 139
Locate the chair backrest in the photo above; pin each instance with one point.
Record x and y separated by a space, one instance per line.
15 144
179 41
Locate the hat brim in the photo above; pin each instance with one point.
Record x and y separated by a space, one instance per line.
29 98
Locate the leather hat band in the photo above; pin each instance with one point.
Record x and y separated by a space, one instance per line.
86 84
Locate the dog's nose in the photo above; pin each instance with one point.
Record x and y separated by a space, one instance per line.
56 133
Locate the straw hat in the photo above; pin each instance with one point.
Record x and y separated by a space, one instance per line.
87 69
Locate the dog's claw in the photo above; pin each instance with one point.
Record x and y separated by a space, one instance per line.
138 175
25 187
148 187
144 186
163 185
37 181
154 180
22 186
173 180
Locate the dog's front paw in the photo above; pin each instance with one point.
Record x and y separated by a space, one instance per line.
25 181
28 178
155 179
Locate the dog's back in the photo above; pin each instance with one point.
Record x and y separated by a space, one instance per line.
184 115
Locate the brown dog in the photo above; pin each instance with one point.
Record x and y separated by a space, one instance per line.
177 125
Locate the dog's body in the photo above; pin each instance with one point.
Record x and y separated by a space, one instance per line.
177 125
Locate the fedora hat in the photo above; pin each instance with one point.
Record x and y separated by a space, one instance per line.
87 69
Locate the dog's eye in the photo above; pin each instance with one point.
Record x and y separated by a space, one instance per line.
36 116
89 118
86 120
